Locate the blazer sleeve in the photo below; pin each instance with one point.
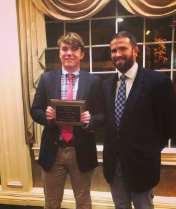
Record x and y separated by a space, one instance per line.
38 110
166 111
97 116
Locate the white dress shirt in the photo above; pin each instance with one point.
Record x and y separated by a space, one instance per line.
131 74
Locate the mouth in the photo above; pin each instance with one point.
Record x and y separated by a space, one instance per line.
69 59
119 60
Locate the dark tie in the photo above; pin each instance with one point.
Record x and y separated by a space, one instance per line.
121 99
67 131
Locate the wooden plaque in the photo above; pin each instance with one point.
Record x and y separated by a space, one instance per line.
68 112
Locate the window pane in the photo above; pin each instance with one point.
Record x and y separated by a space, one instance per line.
139 58
158 30
52 59
174 56
85 62
175 30
158 56
108 10
173 140
53 32
81 28
102 31
104 76
134 25
101 59
122 11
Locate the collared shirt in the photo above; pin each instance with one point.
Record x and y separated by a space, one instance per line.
131 74
65 84
64 90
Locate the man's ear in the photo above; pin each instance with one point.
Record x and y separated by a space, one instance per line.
135 51
82 55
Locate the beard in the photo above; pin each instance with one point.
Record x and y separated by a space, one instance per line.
126 65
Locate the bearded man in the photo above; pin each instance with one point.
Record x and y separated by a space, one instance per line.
140 111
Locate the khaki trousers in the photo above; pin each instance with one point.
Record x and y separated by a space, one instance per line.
54 181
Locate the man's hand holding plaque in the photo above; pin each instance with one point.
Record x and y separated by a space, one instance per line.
50 115
85 117
64 112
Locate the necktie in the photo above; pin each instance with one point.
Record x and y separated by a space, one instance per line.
67 131
121 99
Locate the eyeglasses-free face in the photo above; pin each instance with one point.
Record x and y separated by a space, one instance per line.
70 57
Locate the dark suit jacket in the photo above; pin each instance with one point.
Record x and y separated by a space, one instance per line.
89 89
146 125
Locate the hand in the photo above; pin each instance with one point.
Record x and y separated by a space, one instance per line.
50 114
85 117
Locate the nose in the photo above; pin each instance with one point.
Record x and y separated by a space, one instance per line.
118 53
69 52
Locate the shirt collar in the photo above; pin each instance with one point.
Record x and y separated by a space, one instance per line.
131 73
76 73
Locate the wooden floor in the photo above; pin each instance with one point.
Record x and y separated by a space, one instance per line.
18 207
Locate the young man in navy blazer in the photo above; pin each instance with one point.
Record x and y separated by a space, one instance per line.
138 127
77 155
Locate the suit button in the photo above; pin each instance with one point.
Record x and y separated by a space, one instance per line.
55 143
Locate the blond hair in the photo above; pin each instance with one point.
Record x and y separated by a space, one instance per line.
72 39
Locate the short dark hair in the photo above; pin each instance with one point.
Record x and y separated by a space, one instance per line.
124 34
73 39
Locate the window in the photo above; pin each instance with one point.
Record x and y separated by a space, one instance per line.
156 41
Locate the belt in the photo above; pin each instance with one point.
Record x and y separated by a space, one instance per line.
66 144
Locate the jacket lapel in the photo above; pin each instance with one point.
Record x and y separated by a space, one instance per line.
83 80
57 85
111 91
133 96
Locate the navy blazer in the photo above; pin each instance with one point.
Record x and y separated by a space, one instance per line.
89 89
147 123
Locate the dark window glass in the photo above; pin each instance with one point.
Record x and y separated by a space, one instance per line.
105 76
53 32
158 30
133 25
108 10
52 59
81 28
174 56
102 31
173 140
85 62
101 59
139 58
175 30
158 56
122 11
